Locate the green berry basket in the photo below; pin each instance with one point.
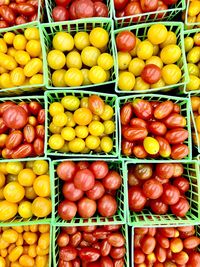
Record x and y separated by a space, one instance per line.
140 31
188 24
18 220
194 126
184 104
197 232
147 218
18 99
51 4
56 95
27 88
72 27
118 218
51 237
166 15
55 248
190 33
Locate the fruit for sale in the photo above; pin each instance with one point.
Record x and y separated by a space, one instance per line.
88 188
78 9
193 58
80 59
21 58
160 186
18 12
148 63
91 245
193 14
21 129
166 246
154 129
25 245
82 124
25 190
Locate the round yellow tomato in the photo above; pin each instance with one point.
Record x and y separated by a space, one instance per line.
32 33
19 42
140 85
41 186
126 81
107 113
193 55
145 50
63 41
86 80
83 116
26 177
189 42
124 59
81 131
30 193
89 56
70 102
84 102
76 145
81 40
159 84
73 77
13 192
136 66
171 74
60 119
14 167
105 61
33 47
41 207
73 60
194 83
70 119
97 75
25 209
56 59
56 141
193 69
9 37
68 133
156 61
55 108
170 54
58 78
157 34
99 37
7 210
171 39
40 167
54 129
96 128
92 142
109 127
106 144
65 148
133 52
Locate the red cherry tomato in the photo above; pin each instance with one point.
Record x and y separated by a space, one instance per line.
66 170
63 239
62 2
170 195
100 169
7 14
165 170
60 13
84 9
152 189
72 193
149 5
137 199
120 4
151 73
158 206
15 117
67 253
132 9
181 207
125 41
72 10
107 206
101 10
112 181
84 180
86 207
182 184
67 210
96 192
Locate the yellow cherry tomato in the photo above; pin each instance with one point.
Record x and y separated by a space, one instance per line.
82 116
56 59
140 84
156 50
151 145
126 81
70 119
171 74
8 62
54 129
105 61
96 128
40 167
73 77
156 61
5 81
194 8
36 79
99 37
3 46
107 113
76 145
30 193
81 40
193 55
84 102
89 56
58 78
41 207
10 236
55 108
9 37
171 39
157 33
73 60
124 59
145 50
7 210
194 83
106 144
92 142
136 66
32 33
25 209
160 83
63 41
193 69
17 76
133 52
60 119
13 192
109 127
81 131
22 57
170 54
86 80
56 141
26 177
19 42
70 102
14 167
97 75
68 133
32 67
189 42
41 186
33 47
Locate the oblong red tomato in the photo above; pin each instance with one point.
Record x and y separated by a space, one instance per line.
105 247
29 133
194 259
137 199
34 107
139 256
161 254
38 146
148 244
116 240
135 133
182 184
126 113
158 206
165 148
96 104
179 151
22 151
26 9
140 152
176 136
163 110
40 131
7 14
152 189
191 242
7 153
14 139
162 240
181 207
41 116
143 109
165 170
89 254
117 253
75 239
127 147
68 253
175 120
157 128
170 195
138 122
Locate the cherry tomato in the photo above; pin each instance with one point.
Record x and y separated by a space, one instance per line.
151 73
149 5
71 193
60 13
181 207
127 147
26 9
107 206
125 41
66 170
158 206
117 253
148 244
143 171
7 14
96 192
86 207
67 210
112 181
96 105
179 151
137 199
126 113
101 9
133 8
120 4
62 2
142 109
170 195
178 169
116 240
99 169
67 253
139 256
75 239
84 9
157 128
15 117
84 180
89 254
140 152
152 189
165 170
63 239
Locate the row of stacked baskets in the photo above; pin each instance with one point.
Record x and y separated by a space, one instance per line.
99 133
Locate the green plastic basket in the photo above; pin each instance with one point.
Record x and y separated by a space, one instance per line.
50 29
194 125
19 99
167 15
24 89
197 228
184 104
147 218
189 25
121 198
141 32
17 220
55 248
51 237
56 95
51 4
190 33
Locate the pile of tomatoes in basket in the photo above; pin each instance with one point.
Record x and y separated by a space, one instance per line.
88 188
78 9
